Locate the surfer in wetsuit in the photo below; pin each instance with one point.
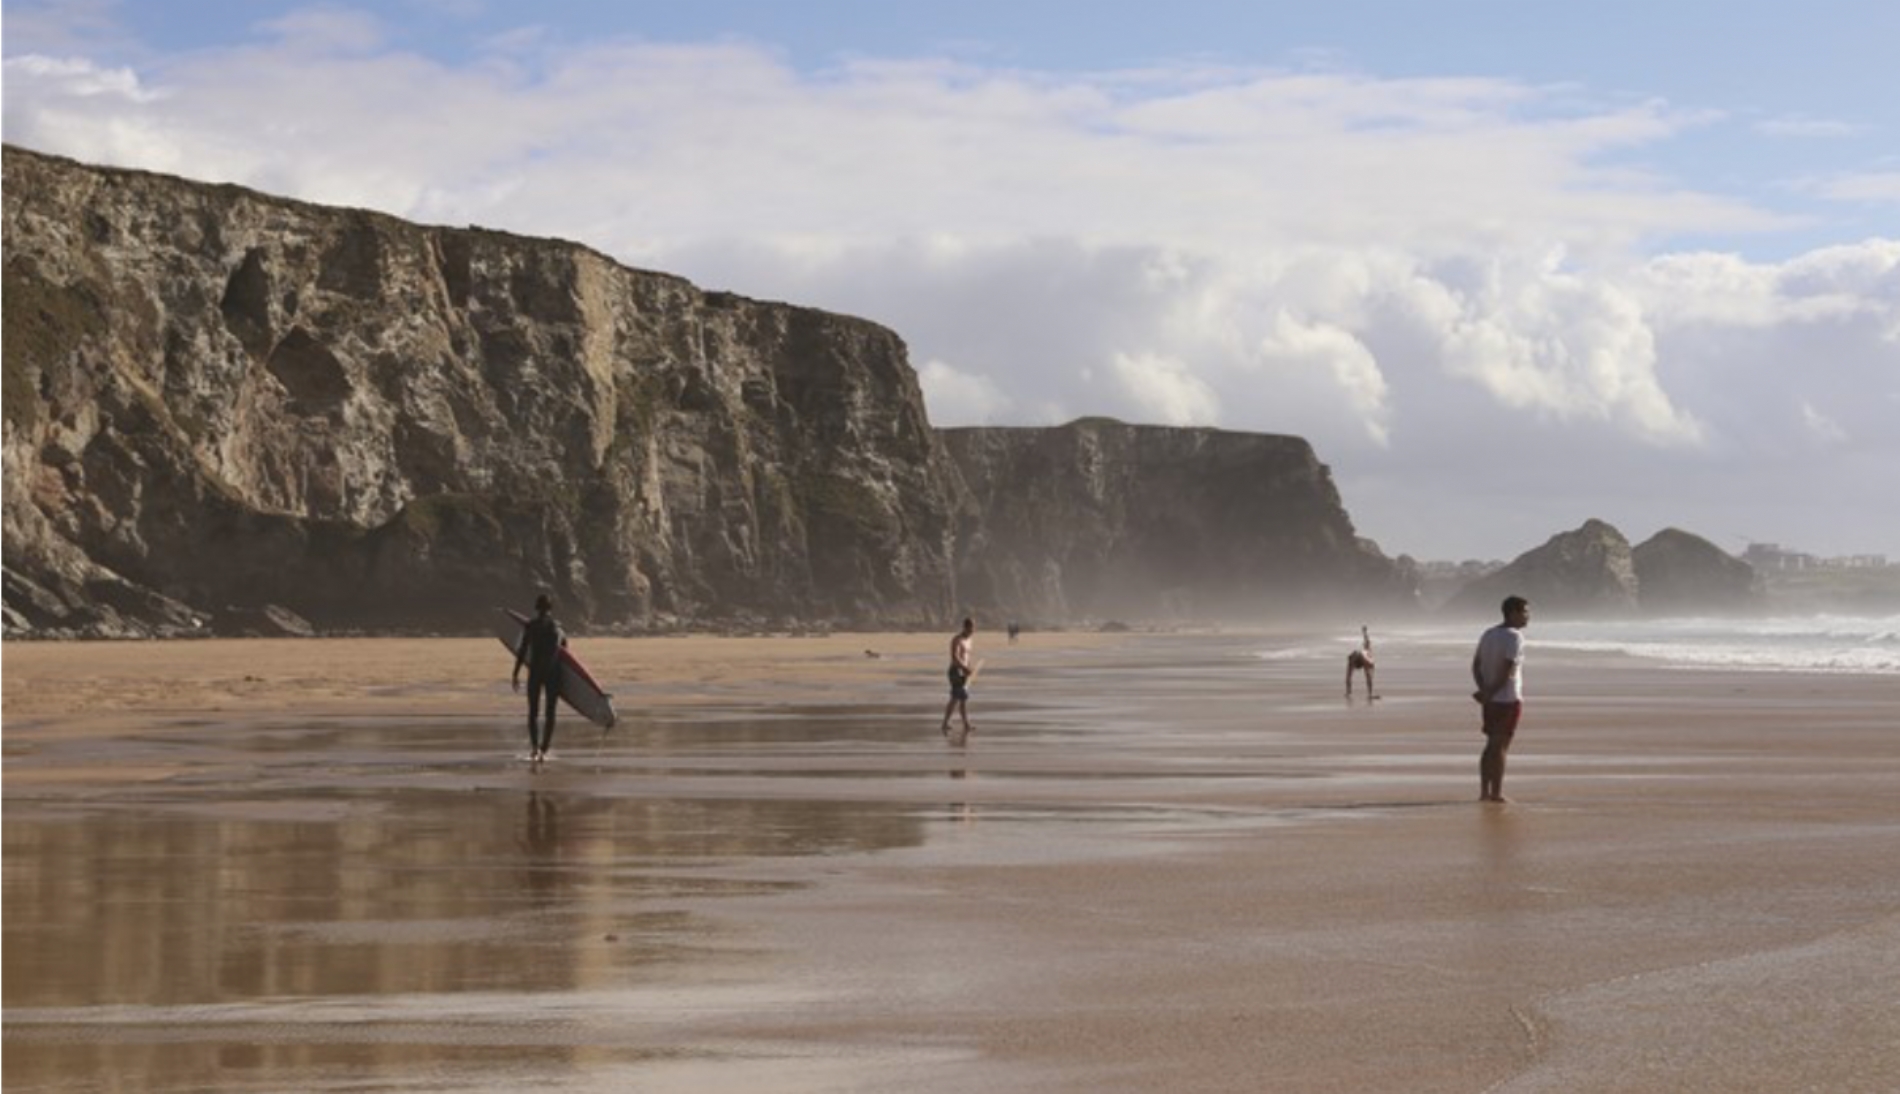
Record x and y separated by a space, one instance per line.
540 650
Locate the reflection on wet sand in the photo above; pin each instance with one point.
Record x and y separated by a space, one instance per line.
184 933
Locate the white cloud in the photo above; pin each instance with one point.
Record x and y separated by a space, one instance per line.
1744 341
961 397
674 143
1164 390
1353 373
1552 342
1872 187
1823 428
60 78
1829 283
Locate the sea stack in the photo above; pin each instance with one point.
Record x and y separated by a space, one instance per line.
1585 572
1679 573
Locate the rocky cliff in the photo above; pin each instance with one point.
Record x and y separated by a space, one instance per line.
1680 573
231 412
1593 570
218 398
1099 519
1587 571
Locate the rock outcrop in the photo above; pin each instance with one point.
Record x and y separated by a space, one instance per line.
230 412
1102 520
218 398
1682 574
1594 571
1585 572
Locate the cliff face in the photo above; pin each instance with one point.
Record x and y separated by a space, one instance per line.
226 411
1678 572
214 397
1098 519
1587 571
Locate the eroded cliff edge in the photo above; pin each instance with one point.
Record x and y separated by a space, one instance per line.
1100 519
218 400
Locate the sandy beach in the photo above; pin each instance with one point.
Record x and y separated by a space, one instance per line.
1163 862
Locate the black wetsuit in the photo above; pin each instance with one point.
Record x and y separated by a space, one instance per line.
540 650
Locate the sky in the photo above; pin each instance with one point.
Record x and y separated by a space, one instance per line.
1509 265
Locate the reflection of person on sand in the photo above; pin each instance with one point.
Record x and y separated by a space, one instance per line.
540 649
960 673
543 828
1358 659
542 842
1498 670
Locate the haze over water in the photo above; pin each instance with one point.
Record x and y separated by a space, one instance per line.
1776 643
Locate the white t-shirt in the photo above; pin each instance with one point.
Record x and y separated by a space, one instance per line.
1500 645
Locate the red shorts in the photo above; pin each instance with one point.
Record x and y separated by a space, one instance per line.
1500 719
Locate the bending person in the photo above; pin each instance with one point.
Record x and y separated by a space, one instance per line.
1358 659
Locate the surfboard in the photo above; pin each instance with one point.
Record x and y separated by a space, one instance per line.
578 687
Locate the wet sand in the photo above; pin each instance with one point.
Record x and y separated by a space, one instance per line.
1162 863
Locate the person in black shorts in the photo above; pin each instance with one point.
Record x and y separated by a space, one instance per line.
960 673
540 650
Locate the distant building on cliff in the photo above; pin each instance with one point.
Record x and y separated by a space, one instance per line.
1774 557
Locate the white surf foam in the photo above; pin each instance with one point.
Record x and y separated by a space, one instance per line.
1828 643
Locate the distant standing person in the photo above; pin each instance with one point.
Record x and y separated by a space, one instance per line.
540 650
1358 659
1015 629
960 673
1498 670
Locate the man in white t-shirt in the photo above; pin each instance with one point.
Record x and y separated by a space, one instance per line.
1498 670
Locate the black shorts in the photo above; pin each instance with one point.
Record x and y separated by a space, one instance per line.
959 681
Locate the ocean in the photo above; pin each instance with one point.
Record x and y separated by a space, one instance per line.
1815 643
